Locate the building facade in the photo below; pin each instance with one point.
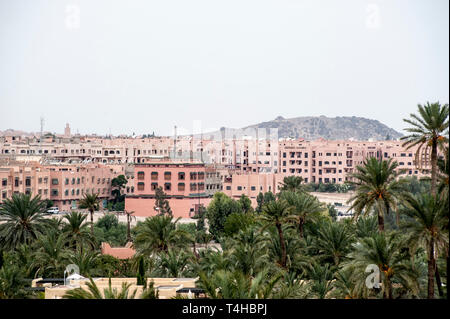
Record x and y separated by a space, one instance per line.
63 184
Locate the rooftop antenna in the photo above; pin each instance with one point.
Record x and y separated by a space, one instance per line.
42 130
175 143
201 145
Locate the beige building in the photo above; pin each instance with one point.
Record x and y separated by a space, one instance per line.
166 287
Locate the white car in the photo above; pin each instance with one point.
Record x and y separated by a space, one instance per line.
53 210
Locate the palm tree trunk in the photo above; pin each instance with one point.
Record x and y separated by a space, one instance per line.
433 167
92 223
380 222
128 228
194 248
431 268
389 288
300 227
283 246
438 281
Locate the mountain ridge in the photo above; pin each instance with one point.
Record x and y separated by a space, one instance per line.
315 127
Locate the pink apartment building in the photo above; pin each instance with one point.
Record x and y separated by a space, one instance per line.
64 184
183 182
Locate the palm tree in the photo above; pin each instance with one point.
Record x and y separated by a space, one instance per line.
212 260
12 283
296 257
51 255
333 241
429 130
23 219
85 259
346 287
292 183
76 230
443 174
377 187
384 251
91 202
174 263
158 234
275 213
320 280
247 252
93 292
426 228
302 206
366 226
226 284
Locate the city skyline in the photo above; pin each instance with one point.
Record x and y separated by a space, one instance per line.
109 67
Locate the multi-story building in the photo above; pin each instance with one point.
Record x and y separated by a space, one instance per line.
184 183
325 161
63 184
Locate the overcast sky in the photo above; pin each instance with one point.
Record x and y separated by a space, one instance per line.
144 66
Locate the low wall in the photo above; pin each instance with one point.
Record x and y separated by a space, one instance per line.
142 206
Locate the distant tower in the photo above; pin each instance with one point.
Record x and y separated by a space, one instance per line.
42 132
67 131
175 143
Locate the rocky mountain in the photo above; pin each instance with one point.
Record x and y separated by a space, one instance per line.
314 127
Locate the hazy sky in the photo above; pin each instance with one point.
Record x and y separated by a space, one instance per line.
144 66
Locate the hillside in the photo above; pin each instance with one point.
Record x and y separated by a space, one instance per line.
311 128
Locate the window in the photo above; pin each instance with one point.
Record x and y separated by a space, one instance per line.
193 175
40 180
66 181
55 181
66 192
253 188
181 187
167 175
239 188
181 176
140 175
201 175
54 192
140 186
154 186
4 182
193 186
228 188
154 176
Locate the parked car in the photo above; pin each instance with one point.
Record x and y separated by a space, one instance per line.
53 210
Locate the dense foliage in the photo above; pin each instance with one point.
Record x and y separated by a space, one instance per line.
290 246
